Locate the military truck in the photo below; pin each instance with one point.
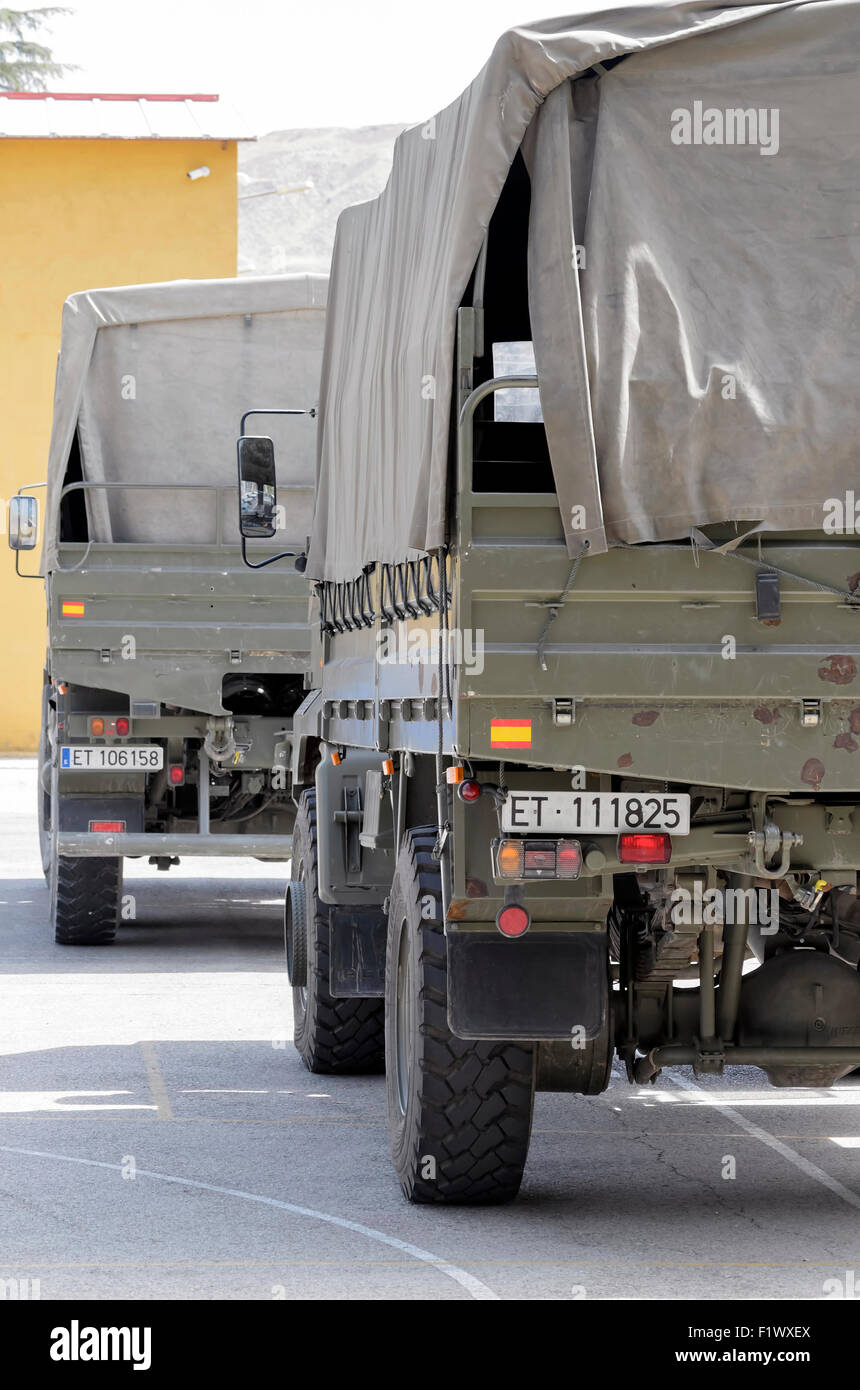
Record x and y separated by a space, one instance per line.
172 673
578 770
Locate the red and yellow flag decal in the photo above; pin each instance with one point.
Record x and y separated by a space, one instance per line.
510 733
72 608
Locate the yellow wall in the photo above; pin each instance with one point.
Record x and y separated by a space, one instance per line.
75 215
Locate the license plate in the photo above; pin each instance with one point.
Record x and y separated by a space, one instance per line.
596 813
132 757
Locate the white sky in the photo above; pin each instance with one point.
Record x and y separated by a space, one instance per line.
288 63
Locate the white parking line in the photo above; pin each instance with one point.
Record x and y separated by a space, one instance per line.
473 1286
810 1169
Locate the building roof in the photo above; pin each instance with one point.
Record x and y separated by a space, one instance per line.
118 116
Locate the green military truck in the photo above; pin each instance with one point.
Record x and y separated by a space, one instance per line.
172 673
580 764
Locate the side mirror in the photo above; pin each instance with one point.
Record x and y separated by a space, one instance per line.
23 522
257 489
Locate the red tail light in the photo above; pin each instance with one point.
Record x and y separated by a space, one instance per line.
469 790
569 862
176 775
107 827
122 726
513 920
644 849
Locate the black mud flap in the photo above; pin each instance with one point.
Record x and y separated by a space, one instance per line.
77 810
357 952
545 985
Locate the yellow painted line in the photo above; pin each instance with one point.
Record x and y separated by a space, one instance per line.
157 1087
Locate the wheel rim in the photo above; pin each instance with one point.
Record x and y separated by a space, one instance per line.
404 1014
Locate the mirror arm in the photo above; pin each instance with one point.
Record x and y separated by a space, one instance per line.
312 413
261 564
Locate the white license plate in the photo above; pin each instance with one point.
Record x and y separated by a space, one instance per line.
595 813
134 757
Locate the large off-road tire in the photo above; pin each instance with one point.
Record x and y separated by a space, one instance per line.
331 1035
459 1112
85 900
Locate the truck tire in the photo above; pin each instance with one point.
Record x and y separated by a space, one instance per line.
459 1112
85 896
332 1036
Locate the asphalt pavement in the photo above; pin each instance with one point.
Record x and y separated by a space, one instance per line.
159 1137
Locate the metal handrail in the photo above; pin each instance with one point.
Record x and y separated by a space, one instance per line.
465 437
219 488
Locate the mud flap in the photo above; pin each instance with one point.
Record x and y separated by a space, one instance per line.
357 952
545 985
76 810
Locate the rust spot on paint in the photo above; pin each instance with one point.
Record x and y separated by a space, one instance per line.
854 582
457 909
625 760
765 715
840 671
476 888
854 721
645 717
812 772
847 742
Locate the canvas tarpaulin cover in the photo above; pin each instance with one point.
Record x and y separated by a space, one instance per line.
693 258
152 381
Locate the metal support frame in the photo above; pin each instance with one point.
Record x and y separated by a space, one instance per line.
203 793
683 1055
79 844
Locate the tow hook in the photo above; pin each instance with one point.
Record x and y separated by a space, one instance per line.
219 743
767 844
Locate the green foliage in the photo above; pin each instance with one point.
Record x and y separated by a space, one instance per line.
26 66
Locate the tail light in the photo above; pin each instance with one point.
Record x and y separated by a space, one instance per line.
522 859
469 790
510 859
176 775
644 849
568 859
513 920
101 724
107 827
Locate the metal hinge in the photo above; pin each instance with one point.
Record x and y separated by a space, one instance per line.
810 713
564 712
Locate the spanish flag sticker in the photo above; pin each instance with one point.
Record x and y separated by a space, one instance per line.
510 733
72 608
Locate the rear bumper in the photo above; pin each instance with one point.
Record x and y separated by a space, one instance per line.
78 844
